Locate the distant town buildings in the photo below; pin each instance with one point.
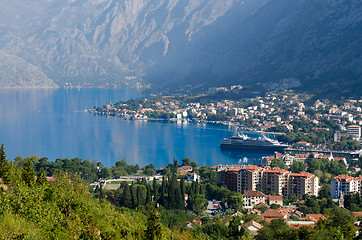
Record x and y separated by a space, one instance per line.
248 179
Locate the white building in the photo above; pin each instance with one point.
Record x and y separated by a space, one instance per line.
354 131
344 184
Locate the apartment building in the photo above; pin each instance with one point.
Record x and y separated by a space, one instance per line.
275 180
344 184
249 178
269 180
354 131
303 183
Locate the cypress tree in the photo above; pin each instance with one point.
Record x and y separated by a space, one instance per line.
4 164
149 194
28 173
126 196
175 165
154 227
134 195
141 195
144 182
171 193
182 189
163 192
155 190
101 194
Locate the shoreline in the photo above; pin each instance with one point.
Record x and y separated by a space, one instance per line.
198 121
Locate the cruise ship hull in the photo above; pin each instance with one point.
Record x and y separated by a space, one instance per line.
253 147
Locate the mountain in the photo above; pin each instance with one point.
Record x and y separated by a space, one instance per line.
302 43
16 72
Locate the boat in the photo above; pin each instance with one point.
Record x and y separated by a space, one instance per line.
241 141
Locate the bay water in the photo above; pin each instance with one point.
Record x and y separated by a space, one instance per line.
53 123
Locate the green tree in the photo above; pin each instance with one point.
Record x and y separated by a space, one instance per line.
236 230
278 163
236 201
199 204
141 195
28 173
41 177
186 161
277 229
4 163
298 167
126 196
155 190
154 227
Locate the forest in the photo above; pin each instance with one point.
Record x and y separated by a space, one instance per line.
36 206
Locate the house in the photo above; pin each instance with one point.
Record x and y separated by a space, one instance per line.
253 227
315 217
297 214
238 214
255 211
252 198
275 200
272 214
193 178
298 224
304 144
262 205
184 169
193 223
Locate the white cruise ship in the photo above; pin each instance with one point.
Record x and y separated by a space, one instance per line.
242 141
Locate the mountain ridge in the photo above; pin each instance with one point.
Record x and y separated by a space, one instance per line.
173 42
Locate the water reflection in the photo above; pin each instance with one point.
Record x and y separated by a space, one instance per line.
52 123
244 156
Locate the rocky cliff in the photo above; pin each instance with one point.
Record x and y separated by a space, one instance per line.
175 42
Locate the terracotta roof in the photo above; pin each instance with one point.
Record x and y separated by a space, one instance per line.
296 226
254 194
302 174
357 214
343 177
355 126
239 213
262 205
315 217
276 170
254 167
275 198
197 221
255 210
254 224
358 178
272 213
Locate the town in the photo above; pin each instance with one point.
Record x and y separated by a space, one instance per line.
295 119
296 188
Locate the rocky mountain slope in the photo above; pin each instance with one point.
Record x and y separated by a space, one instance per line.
16 72
172 42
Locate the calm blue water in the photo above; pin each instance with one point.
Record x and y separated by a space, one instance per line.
52 123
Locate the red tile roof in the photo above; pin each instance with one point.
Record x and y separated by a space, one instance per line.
315 217
275 198
262 205
254 194
272 213
254 224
